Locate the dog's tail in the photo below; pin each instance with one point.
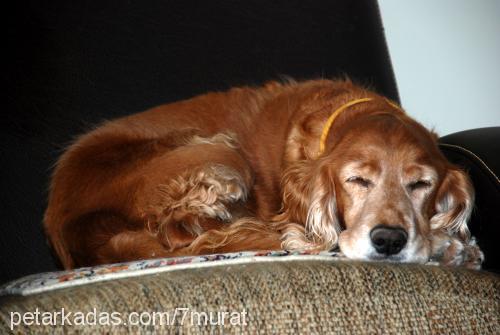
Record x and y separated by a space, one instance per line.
245 234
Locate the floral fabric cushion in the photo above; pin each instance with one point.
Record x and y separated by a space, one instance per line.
44 282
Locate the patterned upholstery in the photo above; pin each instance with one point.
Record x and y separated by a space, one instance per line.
296 296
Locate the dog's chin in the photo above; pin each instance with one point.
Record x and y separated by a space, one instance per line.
402 257
382 258
396 259
361 249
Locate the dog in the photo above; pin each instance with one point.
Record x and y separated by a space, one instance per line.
313 165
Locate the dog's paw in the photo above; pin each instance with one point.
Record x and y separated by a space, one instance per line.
473 256
450 251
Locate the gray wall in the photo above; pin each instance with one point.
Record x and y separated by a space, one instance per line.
446 57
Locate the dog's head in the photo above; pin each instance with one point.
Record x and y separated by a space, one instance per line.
379 191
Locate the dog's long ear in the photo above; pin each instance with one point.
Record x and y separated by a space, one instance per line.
454 203
309 207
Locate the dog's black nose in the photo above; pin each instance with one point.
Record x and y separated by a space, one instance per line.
388 240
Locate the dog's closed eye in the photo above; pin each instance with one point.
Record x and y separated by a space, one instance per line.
360 181
419 185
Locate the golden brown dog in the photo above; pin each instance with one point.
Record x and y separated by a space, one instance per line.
311 165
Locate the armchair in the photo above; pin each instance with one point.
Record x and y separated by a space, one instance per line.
74 64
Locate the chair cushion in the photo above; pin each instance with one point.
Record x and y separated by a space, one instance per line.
298 295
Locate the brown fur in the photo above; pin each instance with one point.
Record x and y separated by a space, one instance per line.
240 170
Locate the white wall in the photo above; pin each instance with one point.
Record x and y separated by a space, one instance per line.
446 58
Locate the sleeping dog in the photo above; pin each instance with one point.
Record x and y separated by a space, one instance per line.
310 165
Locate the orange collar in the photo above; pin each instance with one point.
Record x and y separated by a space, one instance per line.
331 119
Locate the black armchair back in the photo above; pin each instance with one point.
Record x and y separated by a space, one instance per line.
73 64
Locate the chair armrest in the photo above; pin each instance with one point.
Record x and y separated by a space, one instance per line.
476 151
286 296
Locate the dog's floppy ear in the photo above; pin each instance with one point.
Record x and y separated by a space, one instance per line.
309 207
454 203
